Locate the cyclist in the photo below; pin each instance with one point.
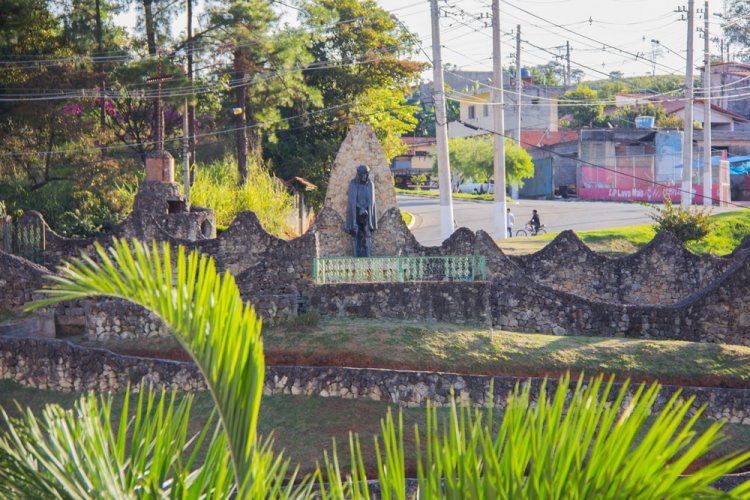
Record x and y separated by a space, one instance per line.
535 221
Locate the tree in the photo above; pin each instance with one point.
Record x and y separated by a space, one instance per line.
551 73
419 180
625 117
583 104
362 74
473 158
266 63
578 440
736 27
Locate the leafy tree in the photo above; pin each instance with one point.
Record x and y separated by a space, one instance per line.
361 73
736 27
572 441
419 180
266 62
473 158
425 112
577 75
687 224
583 104
625 117
551 73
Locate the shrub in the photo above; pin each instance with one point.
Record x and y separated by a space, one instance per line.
215 186
691 224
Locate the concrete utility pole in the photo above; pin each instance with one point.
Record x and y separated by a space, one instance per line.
519 97
441 128
186 153
707 112
687 143
567 59
498 109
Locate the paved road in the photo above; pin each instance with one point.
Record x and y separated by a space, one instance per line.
556 215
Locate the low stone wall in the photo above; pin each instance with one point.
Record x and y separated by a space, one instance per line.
663 272
63 366
115 318
454 302
60 365
19 280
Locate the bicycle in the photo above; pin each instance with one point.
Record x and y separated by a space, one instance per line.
528 230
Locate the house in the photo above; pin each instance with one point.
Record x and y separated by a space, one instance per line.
416 160
640 165
555 158
473 91
729 83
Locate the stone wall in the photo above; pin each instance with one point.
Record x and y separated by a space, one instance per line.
662 272
114 318
454 302
60 365
19 279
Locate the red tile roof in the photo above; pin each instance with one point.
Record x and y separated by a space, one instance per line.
535 138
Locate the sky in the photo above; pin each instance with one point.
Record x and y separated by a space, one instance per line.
604 35
636 37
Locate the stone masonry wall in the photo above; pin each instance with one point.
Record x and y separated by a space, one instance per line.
663 272
60 365
19 279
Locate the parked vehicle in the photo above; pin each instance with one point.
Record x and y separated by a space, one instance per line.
477 188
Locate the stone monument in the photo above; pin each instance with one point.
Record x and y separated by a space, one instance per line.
360 213
361 147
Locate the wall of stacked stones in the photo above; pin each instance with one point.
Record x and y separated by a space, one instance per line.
19 279
60 365
663 272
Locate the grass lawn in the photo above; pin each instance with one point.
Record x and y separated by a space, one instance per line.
727 232
468 349
303 427
461 196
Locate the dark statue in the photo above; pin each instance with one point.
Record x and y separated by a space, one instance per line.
361 218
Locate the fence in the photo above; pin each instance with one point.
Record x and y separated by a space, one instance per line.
25 237
399 269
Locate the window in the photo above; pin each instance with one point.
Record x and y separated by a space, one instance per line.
535 100
472 112
486 110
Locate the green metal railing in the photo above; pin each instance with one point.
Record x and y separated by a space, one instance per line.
399 269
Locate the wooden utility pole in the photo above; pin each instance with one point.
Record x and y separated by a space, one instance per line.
707 177
498 109
687 143
100 64
191 104
441 128
567 59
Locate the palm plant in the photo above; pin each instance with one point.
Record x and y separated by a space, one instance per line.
588 443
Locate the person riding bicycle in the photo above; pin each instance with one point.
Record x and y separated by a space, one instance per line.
535 221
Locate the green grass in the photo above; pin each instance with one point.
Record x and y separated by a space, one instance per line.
727 232
407 217
462 196
455 348
304 426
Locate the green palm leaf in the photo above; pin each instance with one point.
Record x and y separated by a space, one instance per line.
209 319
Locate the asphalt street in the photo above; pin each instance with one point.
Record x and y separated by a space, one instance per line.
556 215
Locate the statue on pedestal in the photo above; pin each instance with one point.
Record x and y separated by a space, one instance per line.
361 217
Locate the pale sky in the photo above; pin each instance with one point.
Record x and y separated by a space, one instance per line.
596 29
604 35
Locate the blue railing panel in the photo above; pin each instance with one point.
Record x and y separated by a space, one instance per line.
399 269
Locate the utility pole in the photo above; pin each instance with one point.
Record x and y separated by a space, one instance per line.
100 65
687 143
185 154
567 57
191 104
158 133
441 128
498 109
707 112
519 97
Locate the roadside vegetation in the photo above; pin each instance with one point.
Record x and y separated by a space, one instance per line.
726 233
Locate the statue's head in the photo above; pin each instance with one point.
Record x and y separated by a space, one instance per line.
363 172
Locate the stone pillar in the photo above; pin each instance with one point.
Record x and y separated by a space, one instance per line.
159 166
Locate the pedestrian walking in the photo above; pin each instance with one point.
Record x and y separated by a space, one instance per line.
509 222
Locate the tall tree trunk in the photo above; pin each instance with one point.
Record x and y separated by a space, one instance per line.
148 17
241 135
255 144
